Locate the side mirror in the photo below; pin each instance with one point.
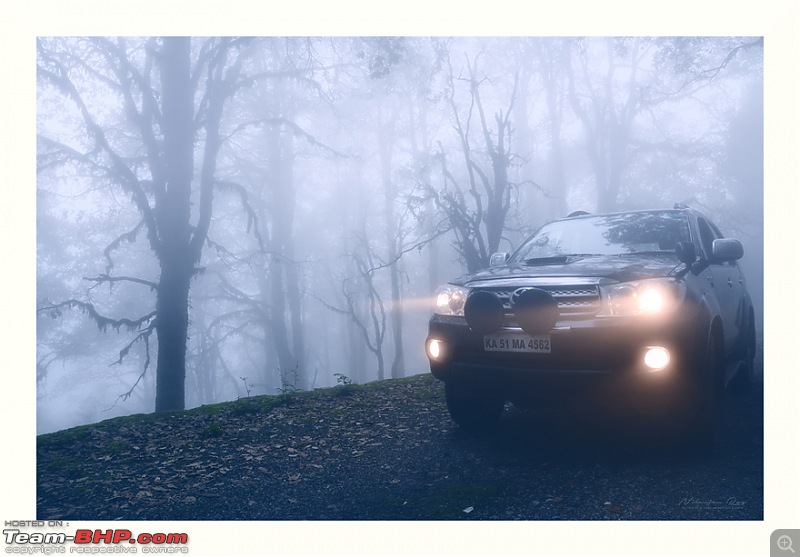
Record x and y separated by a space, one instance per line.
498 258
727 249
687 252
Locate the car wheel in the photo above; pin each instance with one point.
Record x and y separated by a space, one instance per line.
472 410
743 381
700 428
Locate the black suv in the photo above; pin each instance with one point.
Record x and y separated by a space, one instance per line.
644 310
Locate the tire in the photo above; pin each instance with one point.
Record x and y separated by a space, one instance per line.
743 382
699 428
470 410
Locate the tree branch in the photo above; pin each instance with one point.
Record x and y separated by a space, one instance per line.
103 322
150 112
104 278
125 177
298 131
129 237
252 218
145 336
218 91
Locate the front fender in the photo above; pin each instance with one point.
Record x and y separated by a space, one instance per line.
705 315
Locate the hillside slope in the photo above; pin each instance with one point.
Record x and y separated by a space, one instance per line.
389 451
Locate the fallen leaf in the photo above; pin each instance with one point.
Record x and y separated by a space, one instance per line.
613 508
468 510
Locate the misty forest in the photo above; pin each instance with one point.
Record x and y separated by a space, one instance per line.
227 217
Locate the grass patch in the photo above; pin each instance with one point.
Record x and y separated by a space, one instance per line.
212 430
63 440
343 391
116 447
67 468
252 405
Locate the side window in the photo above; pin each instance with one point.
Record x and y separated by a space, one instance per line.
715 230
706 236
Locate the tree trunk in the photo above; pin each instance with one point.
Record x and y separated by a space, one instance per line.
293 293
553 62
286 360
172 307
172 215
385 140
295 302
283 281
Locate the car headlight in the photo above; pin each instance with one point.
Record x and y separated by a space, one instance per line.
450 300
646 297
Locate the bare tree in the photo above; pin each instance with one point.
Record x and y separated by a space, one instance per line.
553 57
607 120
477 211
168 95
270 140
613 86
362 302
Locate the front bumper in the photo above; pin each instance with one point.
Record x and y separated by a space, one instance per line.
588 357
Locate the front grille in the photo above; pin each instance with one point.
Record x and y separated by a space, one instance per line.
574 302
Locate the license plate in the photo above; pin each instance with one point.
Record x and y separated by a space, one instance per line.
517 342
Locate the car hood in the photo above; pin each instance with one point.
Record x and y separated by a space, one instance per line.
582 269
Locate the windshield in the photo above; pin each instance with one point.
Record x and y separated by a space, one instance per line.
618 234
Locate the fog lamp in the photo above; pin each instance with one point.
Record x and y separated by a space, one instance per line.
435 349
656 357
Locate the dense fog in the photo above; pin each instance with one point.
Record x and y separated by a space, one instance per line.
300 199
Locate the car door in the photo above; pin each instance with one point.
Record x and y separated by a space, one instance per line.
723 278
736 284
